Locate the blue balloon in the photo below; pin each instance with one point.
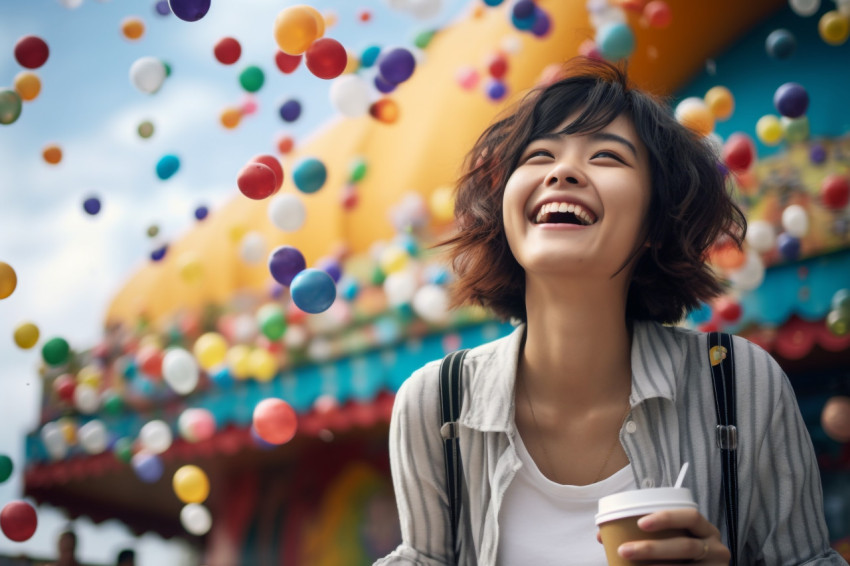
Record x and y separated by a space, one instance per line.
348 288
496 90
701 314
201 212
91 205
313 290
162 8
788 246
309 175
615 41
397 66
285 263
817 153
493 3
522 15
369 56
290 110
148 467
189 10
167 166
222 378
159 253
780 44
791 100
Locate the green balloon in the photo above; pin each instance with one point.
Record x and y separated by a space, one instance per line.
123 449
10 106
796 129
146 129
6 467
272 321
167 69
55 351
423 38
838 323
841 301
358 170
252 78
112 403
378 276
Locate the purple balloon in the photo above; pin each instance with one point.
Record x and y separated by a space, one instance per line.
285 263
290 110
791 100
788 246
542 23
92 205
397 65
189 10
817 154
148 467
162 8
159 253
201 212
496 90
330 266
383 85
523 9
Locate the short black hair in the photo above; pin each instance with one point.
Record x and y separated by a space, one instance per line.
126 554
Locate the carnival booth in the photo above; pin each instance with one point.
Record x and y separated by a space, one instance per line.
217 410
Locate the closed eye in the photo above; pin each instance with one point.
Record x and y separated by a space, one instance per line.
538 153
610 155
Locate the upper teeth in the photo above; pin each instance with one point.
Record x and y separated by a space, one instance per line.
583 215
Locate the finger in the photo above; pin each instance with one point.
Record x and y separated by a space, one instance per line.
676 548
689 519
599 536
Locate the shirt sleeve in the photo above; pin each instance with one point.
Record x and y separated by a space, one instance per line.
418 472
793 529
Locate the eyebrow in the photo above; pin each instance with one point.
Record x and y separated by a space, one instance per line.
596 136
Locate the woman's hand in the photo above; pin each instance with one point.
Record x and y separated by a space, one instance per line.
703 547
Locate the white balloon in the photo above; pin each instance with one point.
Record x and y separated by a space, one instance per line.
54 441
92 436
431 302
287 212
761 236
425 9
795 220
86 399
320 349
750 275
350 95
296 336
512 44
400 287
155 436
244 329
196 519
252 248
180 370
147 74
804 7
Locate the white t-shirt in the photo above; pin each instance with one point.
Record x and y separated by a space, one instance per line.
549 524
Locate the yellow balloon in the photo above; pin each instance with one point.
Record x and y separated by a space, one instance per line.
769 130
393 259
230 117
26 335
352 64
89 375
834 27
237 232
191 269
239 362
69 431
443 204
720 101
297 27
210 350
191 484
263 364
8 280
27 85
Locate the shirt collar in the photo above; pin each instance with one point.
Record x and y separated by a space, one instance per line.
656 357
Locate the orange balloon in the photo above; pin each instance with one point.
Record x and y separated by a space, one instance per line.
835 418
297 27
384 110
52 154
133 28
27 85
727 256
720 101
230 118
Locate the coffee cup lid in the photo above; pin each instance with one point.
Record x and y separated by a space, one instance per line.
642 502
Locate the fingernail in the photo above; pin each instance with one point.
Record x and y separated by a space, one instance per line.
645 522
626 550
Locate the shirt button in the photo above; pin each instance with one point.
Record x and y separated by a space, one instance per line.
631 427
647 482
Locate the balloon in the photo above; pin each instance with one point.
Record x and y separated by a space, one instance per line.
8 280
834 27
52 154
18 520
326 58
290 110
54 441
274 164
788 246
297 27
275 421
285 262
111 402
93 437
657 14
227 50
780 44
252 78
384 110
132 28
252 248
431 303
396 65
795 129
27 85
189 10
191 484
804 7
309 175
739 152
91 205
196 519
180 370
55 352
720 102
467 77
841 301
791 100
615 41
31 52
123 449
496 90
6 468
393 259
147 74
835 191
149 360
272 321
369 56
64 386
257 181
196 425
400 287
695 114
230 117
287 63
382 85
313 290
750 275
201 212
542 23
838 322
287 212
497 65
86 399
145 129
769 130
350 96
795 220
210 349
817 154
261 364
148 467
155 436
331 266
761 236
835 418
10 106
162 8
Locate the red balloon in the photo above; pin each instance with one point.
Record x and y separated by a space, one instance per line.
227 50
64 386
326 58
149 360
257 181
31 52
272 162
727 309
285 144
739 152
497 66
835 191
275 421
658 14
287 63
18 520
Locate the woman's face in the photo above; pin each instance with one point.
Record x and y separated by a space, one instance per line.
576 204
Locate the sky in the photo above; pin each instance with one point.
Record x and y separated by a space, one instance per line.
69 264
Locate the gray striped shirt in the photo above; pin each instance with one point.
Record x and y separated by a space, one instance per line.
672 421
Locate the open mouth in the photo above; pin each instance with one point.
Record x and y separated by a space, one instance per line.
564 213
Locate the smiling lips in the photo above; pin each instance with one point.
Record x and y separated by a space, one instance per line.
564 213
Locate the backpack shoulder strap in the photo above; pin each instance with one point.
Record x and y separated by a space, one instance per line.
721 355
451 377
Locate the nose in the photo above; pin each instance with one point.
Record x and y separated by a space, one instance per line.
565 174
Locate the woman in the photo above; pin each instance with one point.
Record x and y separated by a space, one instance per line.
585 215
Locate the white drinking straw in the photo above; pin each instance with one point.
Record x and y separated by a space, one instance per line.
682 473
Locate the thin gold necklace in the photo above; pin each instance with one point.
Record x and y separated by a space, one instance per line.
543 444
